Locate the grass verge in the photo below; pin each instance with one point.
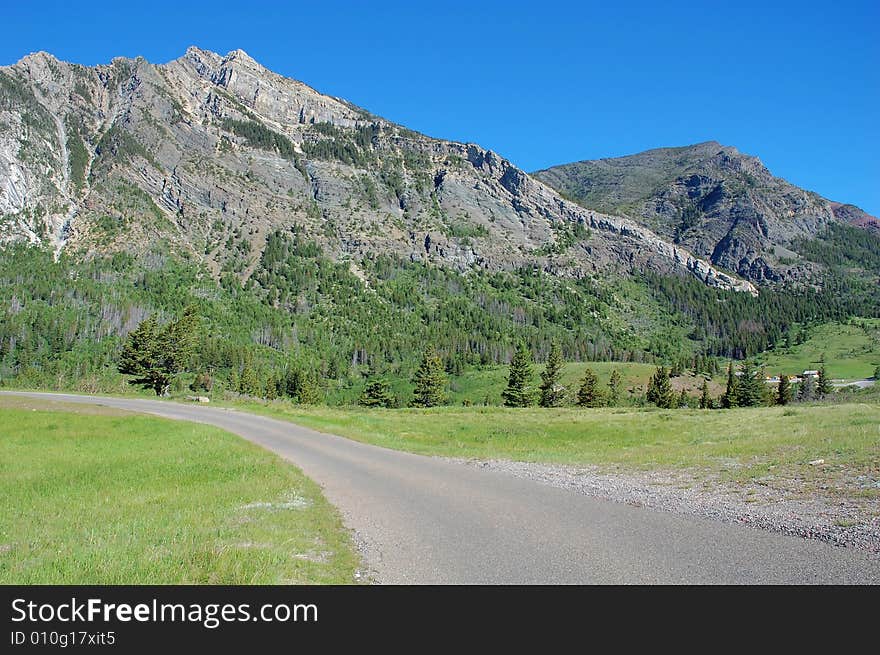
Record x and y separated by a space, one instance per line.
738 444
87 498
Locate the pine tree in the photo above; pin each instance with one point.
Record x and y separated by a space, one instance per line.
705 398
783 391
588 394
271 390
552 393
156 355
377 393
430 381
249 382
823 384
660 390
750 389
683 399
807 389
519 392
614 388
140 357
731 393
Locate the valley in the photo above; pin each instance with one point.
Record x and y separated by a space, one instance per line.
208 241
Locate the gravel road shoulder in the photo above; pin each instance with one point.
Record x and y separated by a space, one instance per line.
846 522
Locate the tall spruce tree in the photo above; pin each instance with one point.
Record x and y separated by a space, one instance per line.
588 393
684 400
731 393
783 391
705 398
519 391
156 354
377 393
807 389
750 388
552 392
430 381
660 390
823 384
614 385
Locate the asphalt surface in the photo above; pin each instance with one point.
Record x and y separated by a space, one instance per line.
426 520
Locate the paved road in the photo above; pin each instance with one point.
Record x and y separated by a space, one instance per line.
427 520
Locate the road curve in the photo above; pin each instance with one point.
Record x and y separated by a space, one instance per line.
428 520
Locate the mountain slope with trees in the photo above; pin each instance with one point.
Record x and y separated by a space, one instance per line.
322 247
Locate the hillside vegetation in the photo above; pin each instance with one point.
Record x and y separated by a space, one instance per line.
314 329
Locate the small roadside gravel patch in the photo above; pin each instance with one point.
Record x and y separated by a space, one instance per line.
851 523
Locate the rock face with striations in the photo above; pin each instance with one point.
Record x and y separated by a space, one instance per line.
206 155
719 204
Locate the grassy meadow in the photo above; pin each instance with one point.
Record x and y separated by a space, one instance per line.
849 351
739 444
95 496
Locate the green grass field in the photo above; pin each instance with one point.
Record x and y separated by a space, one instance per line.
739 444
851 351
87 498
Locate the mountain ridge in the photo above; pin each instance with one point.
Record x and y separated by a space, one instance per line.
208 148
716 201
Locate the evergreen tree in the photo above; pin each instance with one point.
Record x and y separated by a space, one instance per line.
518 392
614 385
823 384
731 393
156 354
783 391
683 399
552 392
588 394
660 390
807 389
377 393
249 382
750 388
271 390
430 381
705 398
303 386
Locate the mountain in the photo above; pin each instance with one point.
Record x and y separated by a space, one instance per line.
321 245
718 203
213 153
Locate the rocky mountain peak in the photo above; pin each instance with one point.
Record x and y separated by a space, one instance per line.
213 153
719 203
242 58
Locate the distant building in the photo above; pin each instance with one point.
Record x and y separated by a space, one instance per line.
811 374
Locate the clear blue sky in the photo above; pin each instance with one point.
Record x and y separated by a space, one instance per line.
542 83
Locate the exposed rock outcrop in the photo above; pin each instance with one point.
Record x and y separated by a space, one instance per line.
210 153
719 204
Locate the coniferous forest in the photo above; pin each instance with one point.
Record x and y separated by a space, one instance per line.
307 328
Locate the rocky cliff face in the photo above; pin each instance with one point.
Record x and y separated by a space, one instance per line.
207 154
712 200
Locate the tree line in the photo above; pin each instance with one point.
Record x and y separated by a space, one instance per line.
154 354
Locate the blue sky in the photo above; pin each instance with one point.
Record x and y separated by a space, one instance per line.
542 83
